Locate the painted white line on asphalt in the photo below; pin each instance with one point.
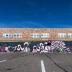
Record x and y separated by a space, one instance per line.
42 66
3 61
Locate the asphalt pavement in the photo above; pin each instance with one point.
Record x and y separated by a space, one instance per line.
24 62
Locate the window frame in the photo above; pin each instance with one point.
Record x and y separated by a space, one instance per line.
62 35
45 35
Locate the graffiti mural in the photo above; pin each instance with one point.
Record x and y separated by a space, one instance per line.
36 47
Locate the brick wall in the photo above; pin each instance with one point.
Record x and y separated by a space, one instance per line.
26 33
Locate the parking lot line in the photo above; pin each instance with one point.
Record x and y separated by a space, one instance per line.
42 66
3 61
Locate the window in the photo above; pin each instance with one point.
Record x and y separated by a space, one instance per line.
17 35
61 35
6 35
35 35
69 35
45 35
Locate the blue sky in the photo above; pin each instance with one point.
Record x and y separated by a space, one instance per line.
35 13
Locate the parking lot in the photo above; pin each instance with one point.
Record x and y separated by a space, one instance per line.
24 62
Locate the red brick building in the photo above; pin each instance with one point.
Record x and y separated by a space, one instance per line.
36 34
